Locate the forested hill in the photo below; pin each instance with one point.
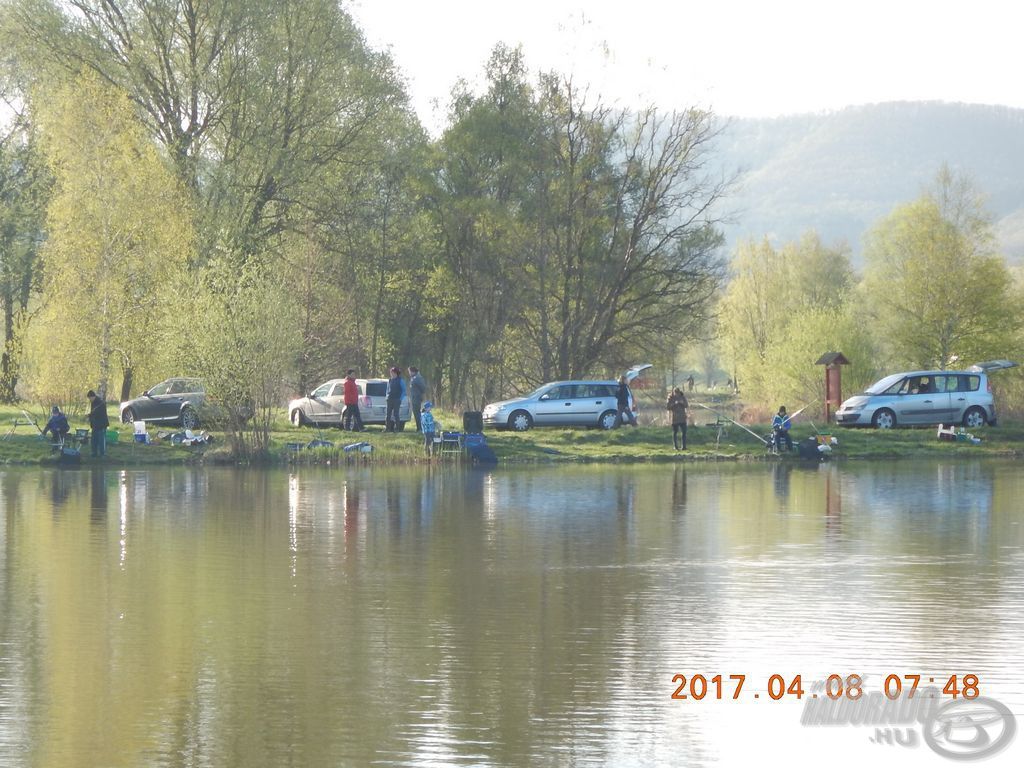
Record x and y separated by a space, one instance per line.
839 172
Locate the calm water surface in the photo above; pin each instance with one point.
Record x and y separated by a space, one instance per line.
440 617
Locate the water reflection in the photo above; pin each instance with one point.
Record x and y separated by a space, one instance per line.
488 618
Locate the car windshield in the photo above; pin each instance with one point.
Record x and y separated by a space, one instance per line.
883 384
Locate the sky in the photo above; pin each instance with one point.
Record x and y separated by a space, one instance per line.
737 57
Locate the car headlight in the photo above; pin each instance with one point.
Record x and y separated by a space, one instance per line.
854 408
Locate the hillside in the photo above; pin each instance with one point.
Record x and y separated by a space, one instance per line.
840 172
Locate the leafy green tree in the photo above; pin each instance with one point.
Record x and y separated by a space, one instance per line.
241 339
938 290
24 191
119 237
771 287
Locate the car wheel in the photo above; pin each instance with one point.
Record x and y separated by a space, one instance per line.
975 417
883 419
520 421
297 418
189 417
127 416
607 420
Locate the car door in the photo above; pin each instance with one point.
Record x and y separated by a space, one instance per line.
152 406
942 401
967 393
335 403
589 403
374 405
917 401
553 406
318 407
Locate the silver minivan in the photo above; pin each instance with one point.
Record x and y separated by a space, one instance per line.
561 404
326 403
925 397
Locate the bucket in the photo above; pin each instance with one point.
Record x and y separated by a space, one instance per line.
112 435
141 438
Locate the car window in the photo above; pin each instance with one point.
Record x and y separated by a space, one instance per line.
338 390
556 393
193 385
901 387
176 388
322 390
377 388
971 383
886 386
160 389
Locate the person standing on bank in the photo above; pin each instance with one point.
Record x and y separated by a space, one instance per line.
676 406
622 400
417 391
394 394
351 419
98 423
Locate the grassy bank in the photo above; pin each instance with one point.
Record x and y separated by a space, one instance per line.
646 443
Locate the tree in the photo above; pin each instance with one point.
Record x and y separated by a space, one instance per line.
769 288
24 191
242 342
119 236
938 291
627 250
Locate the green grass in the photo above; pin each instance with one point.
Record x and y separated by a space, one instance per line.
641 444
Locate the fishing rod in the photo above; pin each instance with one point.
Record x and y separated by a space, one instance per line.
723 416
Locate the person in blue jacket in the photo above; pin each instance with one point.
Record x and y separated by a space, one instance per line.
395 393
429 427
57 425
780 428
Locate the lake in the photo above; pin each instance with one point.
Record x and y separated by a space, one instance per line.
521 617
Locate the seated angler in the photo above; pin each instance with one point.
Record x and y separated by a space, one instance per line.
57 425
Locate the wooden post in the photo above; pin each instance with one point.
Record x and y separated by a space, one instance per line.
833 381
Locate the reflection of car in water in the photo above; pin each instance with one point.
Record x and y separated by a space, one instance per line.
326 404
925 397
175 401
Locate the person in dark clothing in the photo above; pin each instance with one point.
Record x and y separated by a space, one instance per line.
57 425
622 400
689 382
351 418
395 393
98 423
676 406
417 391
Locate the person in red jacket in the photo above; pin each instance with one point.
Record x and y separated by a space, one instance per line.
351 419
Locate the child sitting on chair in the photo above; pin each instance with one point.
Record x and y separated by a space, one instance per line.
429 427
57 425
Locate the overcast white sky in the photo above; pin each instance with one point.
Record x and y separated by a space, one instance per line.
739 57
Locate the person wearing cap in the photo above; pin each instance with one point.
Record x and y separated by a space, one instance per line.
98 422
780 428
57 425
429 427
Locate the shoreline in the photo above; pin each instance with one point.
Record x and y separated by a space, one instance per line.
643 445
